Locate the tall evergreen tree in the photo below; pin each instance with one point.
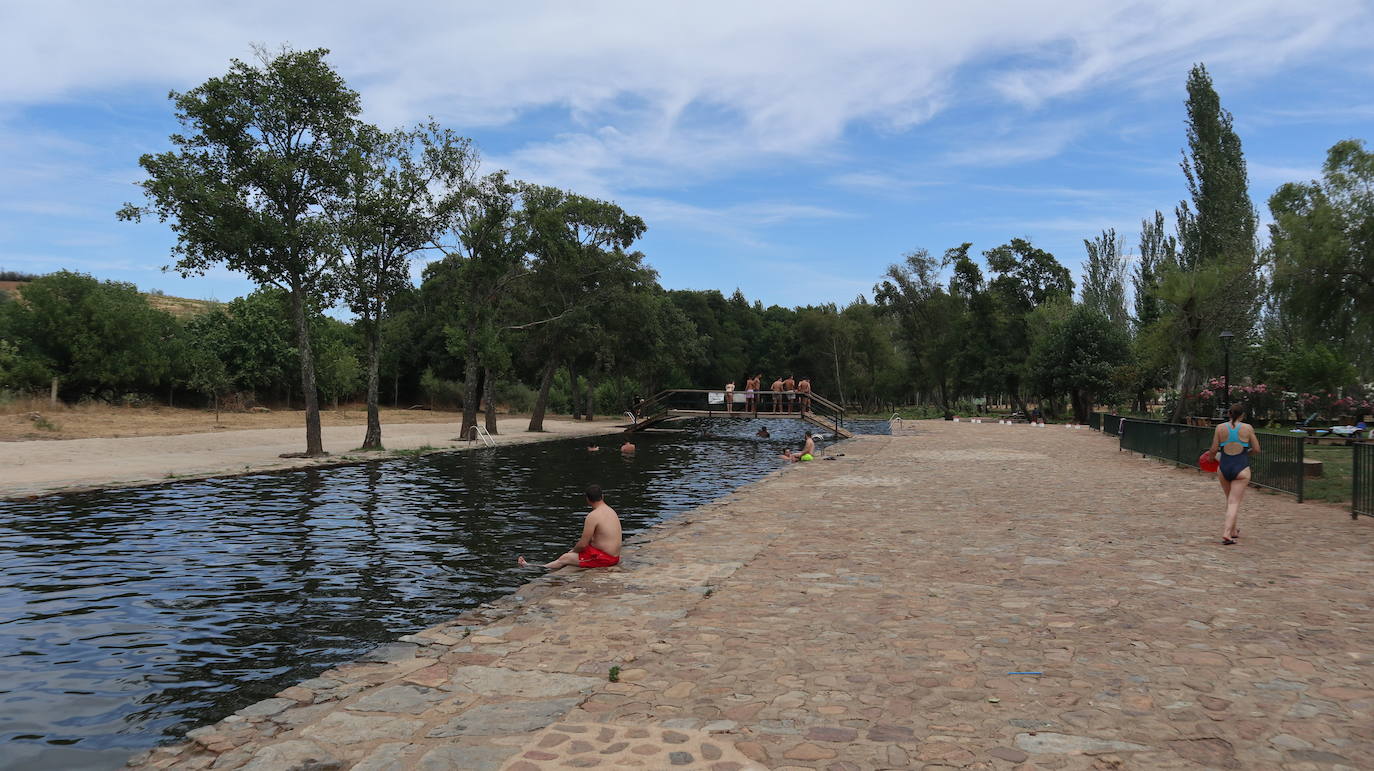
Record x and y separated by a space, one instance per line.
1217 283
1158 253
1104 277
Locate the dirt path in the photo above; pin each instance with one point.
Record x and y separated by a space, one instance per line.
38 468
967 597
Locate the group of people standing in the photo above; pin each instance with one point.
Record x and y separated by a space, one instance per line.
786 395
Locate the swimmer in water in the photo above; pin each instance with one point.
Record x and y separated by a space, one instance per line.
592 448
599 546
628 448
763 433
807 452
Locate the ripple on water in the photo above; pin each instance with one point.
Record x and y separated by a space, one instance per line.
130 616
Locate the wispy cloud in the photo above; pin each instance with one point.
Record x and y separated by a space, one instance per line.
1017 145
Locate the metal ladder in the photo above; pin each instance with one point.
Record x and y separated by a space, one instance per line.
480 432
894 423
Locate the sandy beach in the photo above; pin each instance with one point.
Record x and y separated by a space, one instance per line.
30 468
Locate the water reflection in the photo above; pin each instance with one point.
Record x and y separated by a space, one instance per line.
128 617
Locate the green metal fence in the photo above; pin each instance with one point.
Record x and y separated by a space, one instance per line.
1277 467
1095 421
1362 486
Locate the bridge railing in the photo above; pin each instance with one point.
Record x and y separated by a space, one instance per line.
714 401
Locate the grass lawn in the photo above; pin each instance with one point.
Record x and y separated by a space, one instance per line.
1337 467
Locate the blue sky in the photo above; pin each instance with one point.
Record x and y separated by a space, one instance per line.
792 150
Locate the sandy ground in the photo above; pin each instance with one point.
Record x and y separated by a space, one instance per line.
39 468
89 421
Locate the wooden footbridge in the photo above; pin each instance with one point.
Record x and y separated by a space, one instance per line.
678 403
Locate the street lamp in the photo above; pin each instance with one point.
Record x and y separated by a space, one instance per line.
1226 371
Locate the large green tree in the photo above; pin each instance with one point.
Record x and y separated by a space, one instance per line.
1216 283
262 159
578 250
1080 355
1024 278
390 212
1322 242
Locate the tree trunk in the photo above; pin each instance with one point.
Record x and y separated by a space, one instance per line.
314 442
541 403
489 391
591 398
373 439
576 395
471 376
53 397
1184 383
396 388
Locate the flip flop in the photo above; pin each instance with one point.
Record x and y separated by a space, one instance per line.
1228 542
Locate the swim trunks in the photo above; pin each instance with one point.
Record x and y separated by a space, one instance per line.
592 557
807 456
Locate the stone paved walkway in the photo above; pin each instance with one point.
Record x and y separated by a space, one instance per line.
965 596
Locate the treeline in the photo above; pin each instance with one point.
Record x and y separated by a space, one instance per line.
535 297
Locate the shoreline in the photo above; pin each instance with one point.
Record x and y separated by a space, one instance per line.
35 469
773 628
485 628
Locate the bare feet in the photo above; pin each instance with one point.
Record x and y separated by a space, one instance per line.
521 562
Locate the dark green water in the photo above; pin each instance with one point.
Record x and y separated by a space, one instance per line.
128 617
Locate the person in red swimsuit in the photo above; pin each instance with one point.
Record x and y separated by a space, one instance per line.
599 546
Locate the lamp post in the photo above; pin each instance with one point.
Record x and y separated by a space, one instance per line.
1226 371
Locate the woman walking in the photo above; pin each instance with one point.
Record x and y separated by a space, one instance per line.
1233 443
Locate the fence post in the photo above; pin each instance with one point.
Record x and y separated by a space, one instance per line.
1302 466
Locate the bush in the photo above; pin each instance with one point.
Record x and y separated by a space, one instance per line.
441 393
615 396
517 397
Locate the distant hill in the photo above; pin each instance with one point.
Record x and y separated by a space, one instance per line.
180 307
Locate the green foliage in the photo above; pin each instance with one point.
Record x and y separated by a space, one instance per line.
1317 369
1215 283
1079 352
1322 244
93 336
440 392
1104 279
517 397
264 158
337 370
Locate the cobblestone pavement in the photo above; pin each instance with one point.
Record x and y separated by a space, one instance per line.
965 596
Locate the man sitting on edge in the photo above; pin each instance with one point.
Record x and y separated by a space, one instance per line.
599 546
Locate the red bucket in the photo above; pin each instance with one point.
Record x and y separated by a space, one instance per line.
1207 461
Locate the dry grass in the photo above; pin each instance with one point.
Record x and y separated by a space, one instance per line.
96 420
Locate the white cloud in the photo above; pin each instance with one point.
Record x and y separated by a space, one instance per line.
658 91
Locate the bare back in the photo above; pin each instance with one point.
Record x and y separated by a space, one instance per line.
604 525
1244 431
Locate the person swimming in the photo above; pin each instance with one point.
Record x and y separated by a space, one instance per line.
763 433
808 451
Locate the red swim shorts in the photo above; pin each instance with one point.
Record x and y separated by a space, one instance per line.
592 557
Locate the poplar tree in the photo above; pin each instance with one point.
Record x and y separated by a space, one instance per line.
1216 284
1104 277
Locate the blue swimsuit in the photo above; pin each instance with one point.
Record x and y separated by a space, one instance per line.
1232 465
